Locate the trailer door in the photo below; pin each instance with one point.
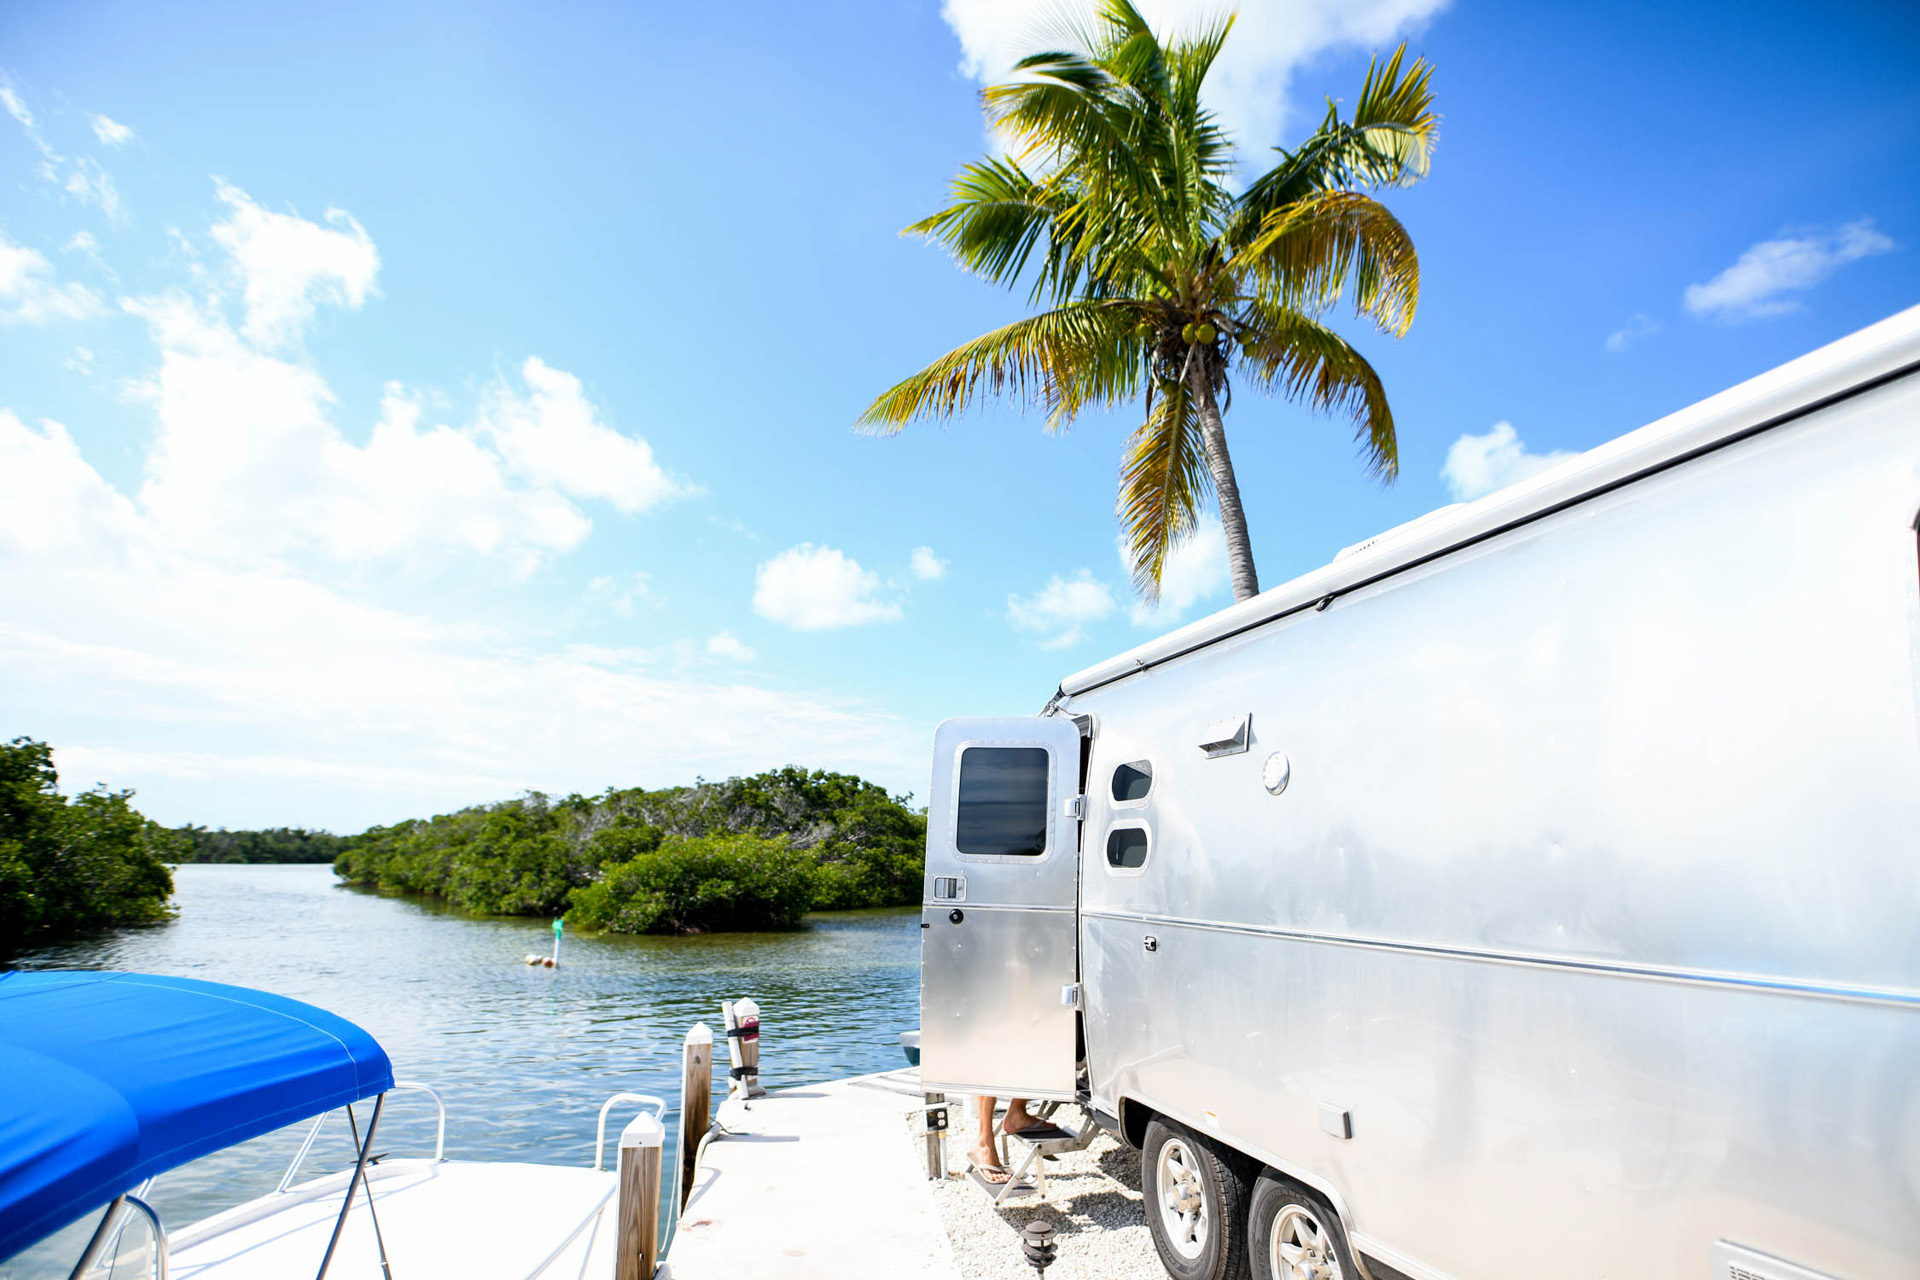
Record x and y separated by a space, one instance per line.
997 924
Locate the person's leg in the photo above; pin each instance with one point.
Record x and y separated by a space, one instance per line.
986 1156
1018 1117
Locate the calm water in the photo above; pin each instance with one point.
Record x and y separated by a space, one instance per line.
523 1056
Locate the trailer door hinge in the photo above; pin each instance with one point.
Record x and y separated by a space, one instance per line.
1070 995
1075 808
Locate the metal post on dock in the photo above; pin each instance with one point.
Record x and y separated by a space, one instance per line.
936 1113
637 1253
742 1018
696 1100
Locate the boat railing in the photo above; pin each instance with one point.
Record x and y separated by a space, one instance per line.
101 1251
313 1131
159 1228
659 1106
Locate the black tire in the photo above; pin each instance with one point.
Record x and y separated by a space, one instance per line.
1305 1226
1199 1219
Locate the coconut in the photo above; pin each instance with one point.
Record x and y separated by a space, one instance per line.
1204 333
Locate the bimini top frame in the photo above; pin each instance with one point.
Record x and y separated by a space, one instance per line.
1859 362
117 1077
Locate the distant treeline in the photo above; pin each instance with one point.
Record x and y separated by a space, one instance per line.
747 853
275 844
67 866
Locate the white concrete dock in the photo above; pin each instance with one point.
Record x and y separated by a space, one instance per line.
815 1183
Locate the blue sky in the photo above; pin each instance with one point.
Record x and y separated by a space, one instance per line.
401 406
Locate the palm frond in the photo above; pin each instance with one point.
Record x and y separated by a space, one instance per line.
1163 481
1063 359
1388 143
1299 357
1396 121
998 215
1311 251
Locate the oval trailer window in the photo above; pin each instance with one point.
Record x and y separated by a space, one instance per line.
1132 781
1127 847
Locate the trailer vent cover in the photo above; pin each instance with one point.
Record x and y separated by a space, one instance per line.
1734 1262
1228 737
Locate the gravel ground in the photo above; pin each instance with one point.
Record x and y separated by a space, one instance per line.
1094 1204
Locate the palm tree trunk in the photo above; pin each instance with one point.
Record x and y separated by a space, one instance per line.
1213 437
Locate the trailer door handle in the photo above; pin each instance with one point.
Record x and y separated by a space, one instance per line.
956 915
1150 942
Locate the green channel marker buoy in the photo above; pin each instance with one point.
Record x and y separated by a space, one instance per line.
558 926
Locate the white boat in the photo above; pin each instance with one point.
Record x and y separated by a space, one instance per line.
132 1075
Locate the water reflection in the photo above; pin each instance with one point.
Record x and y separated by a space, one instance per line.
523 1056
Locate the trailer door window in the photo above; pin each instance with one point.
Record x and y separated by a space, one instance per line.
1131 782
1003 802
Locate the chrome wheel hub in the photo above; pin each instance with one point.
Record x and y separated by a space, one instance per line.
1183 1200
1300 1248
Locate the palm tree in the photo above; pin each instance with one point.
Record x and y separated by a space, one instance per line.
1160 280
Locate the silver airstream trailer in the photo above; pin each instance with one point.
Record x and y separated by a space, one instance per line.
1531 893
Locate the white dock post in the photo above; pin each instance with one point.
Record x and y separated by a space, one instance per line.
637 1252
742 1019
696 1100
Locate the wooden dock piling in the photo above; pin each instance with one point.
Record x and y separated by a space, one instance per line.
696 1100
642 1145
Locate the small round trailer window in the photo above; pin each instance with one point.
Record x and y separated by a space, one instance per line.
1132 781
1127 847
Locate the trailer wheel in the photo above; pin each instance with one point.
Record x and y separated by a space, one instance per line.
1293 1236
1196 1204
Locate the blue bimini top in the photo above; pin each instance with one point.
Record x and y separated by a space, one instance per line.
107 1079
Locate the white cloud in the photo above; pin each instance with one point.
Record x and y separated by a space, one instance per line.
81 361
234 673
1195 571
30 295
83 242
1640 325
248 462
110 132
89 184
927 566
17 108
83 179
1060 611
625 598
553 435
355 712
1477 465
1249 83
813 588
287 264
723 644
1752 287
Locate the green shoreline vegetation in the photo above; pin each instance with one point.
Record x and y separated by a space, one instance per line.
274 844
747 853
71 865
